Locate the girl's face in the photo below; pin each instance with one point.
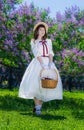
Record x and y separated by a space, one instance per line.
41 31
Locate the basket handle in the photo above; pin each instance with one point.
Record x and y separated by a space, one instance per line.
53 69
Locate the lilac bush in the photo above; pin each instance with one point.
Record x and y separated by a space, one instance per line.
72 61
68 33
16 31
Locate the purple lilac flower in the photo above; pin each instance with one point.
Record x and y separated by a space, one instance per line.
80 53
72 11
75 50
52 37
81 22
80 62
74 58
59 27
65 42
6 47
3 69
69 20
30 21
59 17
50 24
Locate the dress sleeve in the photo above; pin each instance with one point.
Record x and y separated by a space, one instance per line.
35 49
50 47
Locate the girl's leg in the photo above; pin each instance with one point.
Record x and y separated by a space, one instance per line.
38 105
37 102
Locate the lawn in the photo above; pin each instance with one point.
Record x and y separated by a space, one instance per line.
66 114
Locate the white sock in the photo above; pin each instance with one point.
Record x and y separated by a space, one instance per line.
38 107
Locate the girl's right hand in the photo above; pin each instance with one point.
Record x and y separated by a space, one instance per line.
51 65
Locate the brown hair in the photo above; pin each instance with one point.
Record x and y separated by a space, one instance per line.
36 32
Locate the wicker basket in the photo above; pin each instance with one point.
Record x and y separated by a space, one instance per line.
49 83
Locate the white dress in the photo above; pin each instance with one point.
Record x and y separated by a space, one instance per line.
30 85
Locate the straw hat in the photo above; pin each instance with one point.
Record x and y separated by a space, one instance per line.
41 23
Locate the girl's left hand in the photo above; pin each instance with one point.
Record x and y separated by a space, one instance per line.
44 66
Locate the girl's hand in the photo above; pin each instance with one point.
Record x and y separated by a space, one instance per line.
44 66
51 65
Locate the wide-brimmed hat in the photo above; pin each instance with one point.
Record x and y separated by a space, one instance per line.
41 23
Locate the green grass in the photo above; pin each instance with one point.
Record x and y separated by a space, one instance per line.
66 114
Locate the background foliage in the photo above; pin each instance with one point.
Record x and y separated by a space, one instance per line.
66 32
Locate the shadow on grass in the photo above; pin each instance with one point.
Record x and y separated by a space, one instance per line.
45 116
13 103
50 117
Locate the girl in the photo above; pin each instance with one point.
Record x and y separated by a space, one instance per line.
30 85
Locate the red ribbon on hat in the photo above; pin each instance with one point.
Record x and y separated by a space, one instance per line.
44 47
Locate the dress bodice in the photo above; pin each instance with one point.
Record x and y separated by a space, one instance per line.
41 49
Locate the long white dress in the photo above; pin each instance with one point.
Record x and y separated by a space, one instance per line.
30 85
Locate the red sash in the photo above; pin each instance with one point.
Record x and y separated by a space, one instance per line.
44 47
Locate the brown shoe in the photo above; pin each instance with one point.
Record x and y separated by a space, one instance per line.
37 112
34 110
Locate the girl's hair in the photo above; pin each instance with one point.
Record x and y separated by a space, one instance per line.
36 32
